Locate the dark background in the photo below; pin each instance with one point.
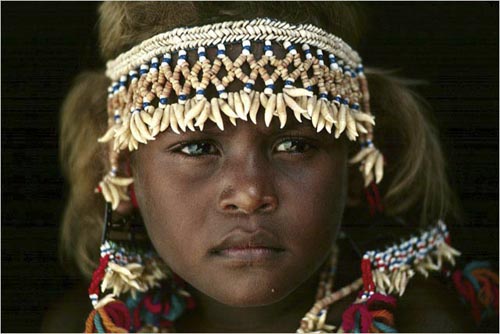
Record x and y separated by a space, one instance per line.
453 46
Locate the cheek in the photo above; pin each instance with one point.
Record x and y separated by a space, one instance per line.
173 206
316 199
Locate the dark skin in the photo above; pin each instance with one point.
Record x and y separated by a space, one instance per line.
252 181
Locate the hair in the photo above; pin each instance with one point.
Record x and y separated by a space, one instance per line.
415 184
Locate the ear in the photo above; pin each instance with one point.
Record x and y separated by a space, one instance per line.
355 187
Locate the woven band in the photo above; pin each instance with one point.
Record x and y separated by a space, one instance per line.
229 32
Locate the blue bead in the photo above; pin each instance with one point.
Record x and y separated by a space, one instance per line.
202 54
291 47
270 86
163 100
200 91
182 97
166 60
323 95
288 82
143 71
267 47
338 99
220 52
355 106
249 85
116 117
309 88
145 105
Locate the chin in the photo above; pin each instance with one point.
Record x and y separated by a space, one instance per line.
252 298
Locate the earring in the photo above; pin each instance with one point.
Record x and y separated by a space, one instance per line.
151 296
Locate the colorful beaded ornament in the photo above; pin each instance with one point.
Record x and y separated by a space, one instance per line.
323 83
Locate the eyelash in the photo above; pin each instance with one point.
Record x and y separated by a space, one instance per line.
296 141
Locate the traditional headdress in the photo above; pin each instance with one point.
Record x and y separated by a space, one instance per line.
164 82
324 83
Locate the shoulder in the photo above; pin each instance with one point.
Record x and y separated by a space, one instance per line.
69 313
429 305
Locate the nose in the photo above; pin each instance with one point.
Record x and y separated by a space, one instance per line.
247 200
248 190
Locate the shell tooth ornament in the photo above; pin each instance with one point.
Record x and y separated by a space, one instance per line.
165 120
316 113
341 121
247 101
226 109
311 102
362 117
108 135
321 123
379 168
254 107
179 116
263 100
146 118
195 111
204 115
292 104
351 126
281 110
216 113
270 108
297 92
173 122
238 106
370 161
361 155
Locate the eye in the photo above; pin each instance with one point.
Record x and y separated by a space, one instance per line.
195 149
293 145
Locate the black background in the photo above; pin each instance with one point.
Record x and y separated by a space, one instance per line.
453 46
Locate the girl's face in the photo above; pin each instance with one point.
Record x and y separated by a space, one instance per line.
247 214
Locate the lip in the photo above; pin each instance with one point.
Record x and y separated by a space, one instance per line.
254 247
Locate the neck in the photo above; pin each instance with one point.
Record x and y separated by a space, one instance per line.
283 316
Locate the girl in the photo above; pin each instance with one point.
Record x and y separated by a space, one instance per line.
242 137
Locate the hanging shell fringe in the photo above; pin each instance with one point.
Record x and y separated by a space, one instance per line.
143 125
128 272
394 267
114 189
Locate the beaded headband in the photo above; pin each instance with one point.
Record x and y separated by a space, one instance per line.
324 83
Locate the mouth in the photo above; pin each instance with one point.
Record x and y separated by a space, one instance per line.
257 247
